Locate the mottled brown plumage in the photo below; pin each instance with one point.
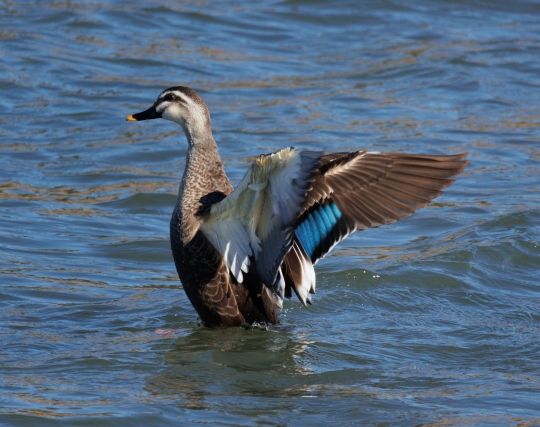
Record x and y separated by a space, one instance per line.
364 189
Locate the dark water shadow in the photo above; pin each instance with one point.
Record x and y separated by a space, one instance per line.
207 364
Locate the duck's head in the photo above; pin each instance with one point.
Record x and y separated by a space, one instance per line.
179 104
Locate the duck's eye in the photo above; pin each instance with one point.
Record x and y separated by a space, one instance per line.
169 97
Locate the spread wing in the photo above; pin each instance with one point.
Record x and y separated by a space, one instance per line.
359 190
255 223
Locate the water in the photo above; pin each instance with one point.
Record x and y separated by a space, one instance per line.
434 320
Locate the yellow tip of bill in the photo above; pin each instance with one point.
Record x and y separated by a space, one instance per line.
130 118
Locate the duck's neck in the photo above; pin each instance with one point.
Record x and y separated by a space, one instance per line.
204 177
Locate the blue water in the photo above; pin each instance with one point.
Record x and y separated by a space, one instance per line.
432 321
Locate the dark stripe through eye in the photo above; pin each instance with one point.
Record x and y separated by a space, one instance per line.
171 97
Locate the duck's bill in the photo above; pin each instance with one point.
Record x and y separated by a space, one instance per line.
149 114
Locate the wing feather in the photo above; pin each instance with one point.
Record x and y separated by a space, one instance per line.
367 190
255 223
372 189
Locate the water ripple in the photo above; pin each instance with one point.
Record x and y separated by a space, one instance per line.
430 321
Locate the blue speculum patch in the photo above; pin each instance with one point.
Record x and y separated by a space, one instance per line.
317 225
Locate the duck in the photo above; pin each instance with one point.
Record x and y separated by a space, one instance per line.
239 252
